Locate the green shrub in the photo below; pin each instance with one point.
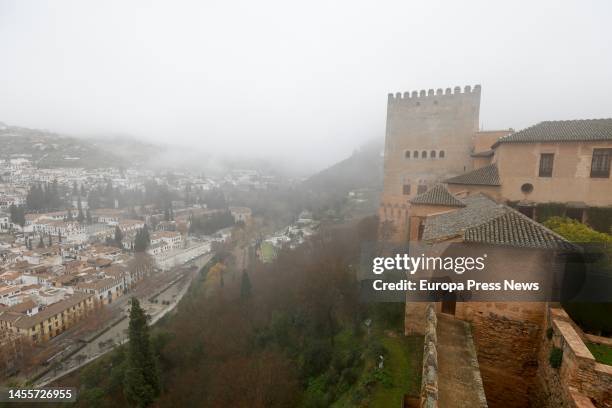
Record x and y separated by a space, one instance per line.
556 357
549 333
576 231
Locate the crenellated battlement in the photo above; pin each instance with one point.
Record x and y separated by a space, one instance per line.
424 94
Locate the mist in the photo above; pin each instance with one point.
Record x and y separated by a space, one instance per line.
300 84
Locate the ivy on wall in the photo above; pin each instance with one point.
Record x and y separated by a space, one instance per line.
544 211
600 218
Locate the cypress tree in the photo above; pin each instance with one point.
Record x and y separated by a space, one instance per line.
141 384
245 285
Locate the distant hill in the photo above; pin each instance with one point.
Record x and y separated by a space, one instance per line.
48 149
363 169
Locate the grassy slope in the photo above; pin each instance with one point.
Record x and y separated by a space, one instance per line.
404 364
602 353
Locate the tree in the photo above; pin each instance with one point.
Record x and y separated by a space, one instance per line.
245 285
80 216
142 240
69 215
88 216
118 236
17 215
50 240
41 243
59 237
141 384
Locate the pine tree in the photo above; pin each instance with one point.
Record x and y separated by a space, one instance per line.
50 240
141 384
41 243
69 215
245 285
88 216
59 237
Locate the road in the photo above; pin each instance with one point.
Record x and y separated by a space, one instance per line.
161 304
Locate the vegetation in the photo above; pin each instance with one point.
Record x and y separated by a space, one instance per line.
576 231
555 357
591 317
141 384
44 197
544 211
289 333
17 215
601 352
210 224
142 239
600 218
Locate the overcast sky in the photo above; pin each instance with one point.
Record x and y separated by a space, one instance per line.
307 81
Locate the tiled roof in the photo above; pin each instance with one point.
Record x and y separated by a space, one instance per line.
562 131
485 221
484 176
479 208
438 195
516 230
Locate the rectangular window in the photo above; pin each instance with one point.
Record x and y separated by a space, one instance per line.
421 189
406 189
546 164
600 165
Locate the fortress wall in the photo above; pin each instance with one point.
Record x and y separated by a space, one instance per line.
580 382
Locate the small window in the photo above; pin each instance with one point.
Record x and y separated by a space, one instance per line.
432 154
600 164
441 155
406 189
546 164
407 154
423 154
415 154
527 188
421 189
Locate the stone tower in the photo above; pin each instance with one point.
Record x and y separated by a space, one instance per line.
429 137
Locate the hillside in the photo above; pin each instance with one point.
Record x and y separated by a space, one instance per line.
48 149
363 169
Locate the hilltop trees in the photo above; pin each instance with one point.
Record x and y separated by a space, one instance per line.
142 383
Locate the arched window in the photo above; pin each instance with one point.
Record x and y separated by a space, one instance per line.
441 155
407 154
423 154
432 154
415 154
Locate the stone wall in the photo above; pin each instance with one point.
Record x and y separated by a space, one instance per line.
580 381
429 379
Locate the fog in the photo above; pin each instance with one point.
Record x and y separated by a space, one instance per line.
296 82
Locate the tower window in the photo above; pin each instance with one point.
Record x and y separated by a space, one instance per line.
432 154
407 154
423 154
441 154
421 189
415 154
406 189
